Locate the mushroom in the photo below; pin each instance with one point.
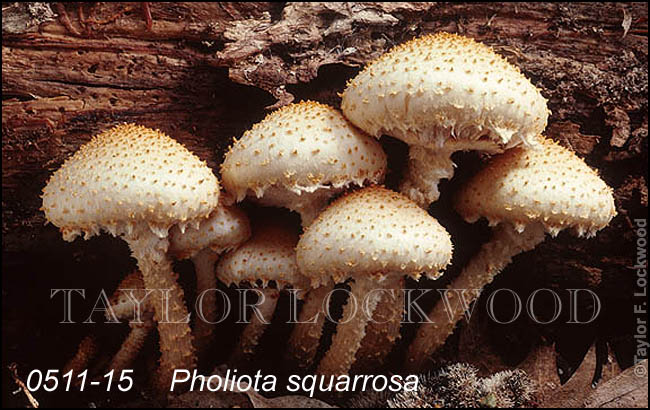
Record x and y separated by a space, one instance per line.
440 94
225 229
375 237
524 193
137 183
299 157
267 262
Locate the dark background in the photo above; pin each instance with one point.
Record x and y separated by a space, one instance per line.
206 72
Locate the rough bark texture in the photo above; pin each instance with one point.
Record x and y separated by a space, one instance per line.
205 72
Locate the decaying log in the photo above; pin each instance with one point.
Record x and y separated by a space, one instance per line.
59 88
205 72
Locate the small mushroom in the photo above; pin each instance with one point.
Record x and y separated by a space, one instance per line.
137 183
374 237
267 262
440 94
225 229
524 193
299 157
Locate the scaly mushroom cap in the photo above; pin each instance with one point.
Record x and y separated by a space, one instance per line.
223 230
301 147
440 86
373 232
268 256
550 185
125 176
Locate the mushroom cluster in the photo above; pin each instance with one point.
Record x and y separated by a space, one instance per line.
439 93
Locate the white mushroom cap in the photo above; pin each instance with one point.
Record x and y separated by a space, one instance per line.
550 185
373 232
301 147
268 256
223 230
440 86
125 176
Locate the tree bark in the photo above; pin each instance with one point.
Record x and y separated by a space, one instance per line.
181 76
205 72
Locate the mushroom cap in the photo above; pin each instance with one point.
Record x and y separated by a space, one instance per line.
444 85
302 147
373 232
125 176
225 228
269 255
550 185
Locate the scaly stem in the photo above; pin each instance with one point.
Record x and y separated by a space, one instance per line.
426 167
253 332
85 353
346 341
307 204
206 280
479 272
177 351
305 338
131 346
383 331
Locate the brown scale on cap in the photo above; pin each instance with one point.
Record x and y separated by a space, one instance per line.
269 257
550 185
376 237
373 232
300 156
443 93
127 175
525 193
137 183
226 228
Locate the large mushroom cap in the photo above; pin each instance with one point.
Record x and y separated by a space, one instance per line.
129 175
373 232
439 86
224 229
301 147
550 185
268 256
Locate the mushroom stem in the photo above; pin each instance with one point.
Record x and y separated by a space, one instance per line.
206 281
305 338
493 256
349 334
253 332
85 353
383 330
176 347
131 346
426 167
141 323
307 204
